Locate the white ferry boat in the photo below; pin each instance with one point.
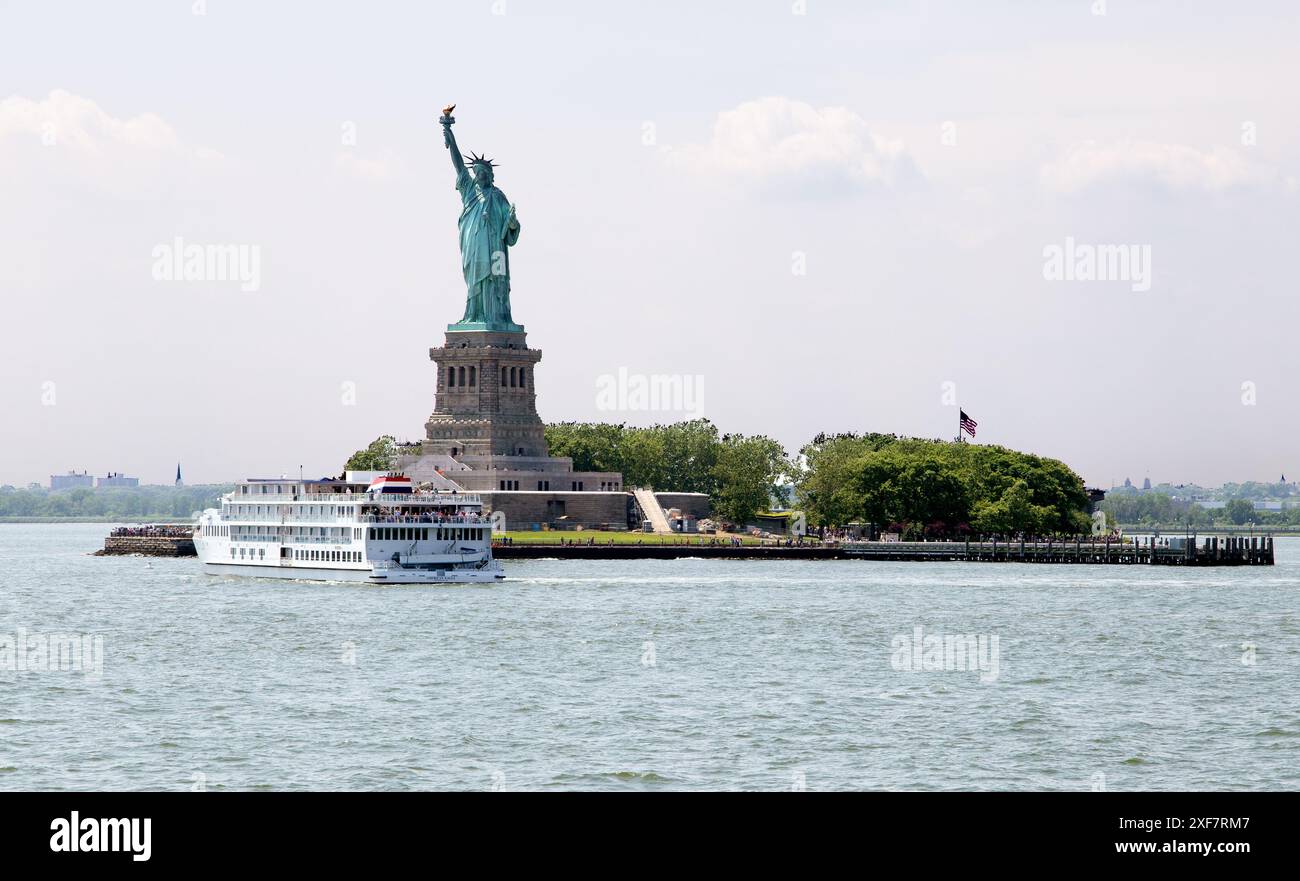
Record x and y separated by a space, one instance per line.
378 529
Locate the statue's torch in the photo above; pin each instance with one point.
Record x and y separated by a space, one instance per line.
447 121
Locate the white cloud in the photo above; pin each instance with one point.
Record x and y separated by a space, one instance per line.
384 167
1175 166
72 138
780 140
64 118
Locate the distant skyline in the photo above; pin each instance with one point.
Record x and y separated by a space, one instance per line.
1077 227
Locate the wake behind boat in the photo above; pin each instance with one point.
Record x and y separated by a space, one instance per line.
375 528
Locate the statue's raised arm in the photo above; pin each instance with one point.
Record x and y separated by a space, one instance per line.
449 140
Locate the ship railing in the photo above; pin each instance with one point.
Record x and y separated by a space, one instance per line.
424 521
353 498
273 520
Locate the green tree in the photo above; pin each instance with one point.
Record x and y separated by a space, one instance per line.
746 474
824 485
1013 513
593 446
381 455
690 453
1239 512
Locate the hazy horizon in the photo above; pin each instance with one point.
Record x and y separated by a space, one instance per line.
841 220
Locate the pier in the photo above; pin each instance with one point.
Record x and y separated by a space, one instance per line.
1214 551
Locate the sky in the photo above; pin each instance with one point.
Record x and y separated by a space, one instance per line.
1073 220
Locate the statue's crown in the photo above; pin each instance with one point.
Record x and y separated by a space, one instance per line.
475 159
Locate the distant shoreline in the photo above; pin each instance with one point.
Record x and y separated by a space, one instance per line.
1176 531
93 520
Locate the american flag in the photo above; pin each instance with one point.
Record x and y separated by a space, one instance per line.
968 424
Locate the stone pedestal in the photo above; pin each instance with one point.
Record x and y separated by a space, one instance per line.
486 404
485 436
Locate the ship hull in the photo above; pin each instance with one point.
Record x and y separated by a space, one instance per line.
367 576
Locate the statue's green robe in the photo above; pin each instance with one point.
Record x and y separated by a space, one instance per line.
485 239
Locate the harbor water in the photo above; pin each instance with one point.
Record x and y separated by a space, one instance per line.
137 673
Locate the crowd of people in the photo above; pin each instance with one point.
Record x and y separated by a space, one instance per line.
393 516
155 531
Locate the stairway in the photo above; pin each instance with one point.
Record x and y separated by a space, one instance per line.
650 509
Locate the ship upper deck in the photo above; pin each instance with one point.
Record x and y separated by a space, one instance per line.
330 491
440 499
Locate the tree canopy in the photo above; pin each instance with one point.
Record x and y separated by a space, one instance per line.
936 487
379 456
739 473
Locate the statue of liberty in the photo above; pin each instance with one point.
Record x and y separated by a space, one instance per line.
488 227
